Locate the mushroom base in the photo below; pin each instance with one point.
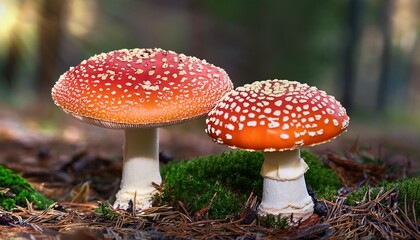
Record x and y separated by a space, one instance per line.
126 199
287 199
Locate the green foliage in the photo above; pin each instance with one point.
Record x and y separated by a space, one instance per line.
16 191
228 179
316 27
320 178
273 221
106 211
409 191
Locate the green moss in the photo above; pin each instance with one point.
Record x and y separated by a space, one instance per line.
409 191
16 191
273 221
320 178
232 177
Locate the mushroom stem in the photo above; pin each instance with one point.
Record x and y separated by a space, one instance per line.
140 168
284 189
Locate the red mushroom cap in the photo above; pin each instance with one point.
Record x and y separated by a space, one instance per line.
276 115
140 87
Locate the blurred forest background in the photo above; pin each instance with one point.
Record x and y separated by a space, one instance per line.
366 53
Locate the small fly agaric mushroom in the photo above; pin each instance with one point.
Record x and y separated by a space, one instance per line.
139 90
278 117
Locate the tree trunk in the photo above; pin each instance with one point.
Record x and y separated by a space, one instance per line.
386 28
350 52
50 29
14 50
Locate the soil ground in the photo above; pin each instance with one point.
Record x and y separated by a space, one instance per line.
59 157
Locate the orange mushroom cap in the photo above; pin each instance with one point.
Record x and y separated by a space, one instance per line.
140 87
276 115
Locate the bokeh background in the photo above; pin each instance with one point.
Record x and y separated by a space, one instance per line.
366 53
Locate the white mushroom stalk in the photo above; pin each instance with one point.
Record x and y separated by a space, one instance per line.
285 192
140 169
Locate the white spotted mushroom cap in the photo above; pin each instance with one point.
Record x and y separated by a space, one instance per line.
276 115
140 88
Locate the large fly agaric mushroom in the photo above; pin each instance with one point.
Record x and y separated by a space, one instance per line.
278 117
139 90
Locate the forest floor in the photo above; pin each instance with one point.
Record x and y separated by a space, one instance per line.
60 158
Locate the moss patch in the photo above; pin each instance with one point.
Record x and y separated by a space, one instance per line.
228 179
409 191
322 179
16 191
